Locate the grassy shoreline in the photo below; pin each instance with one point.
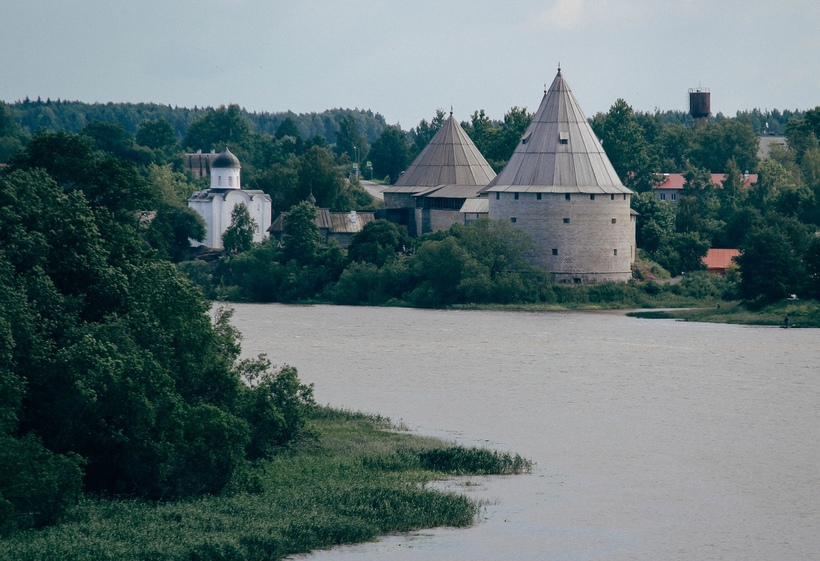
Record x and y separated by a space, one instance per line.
357 478
799 313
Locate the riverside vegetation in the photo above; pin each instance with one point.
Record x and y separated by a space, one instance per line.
129 425
482 265
350 479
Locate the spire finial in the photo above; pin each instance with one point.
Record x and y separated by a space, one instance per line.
559 67
451 110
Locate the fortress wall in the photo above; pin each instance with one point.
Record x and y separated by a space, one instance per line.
586 245
399 200
442 219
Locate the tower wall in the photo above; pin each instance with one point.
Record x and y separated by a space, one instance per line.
593 239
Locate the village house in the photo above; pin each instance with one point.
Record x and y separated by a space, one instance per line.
199 164
718 260
338 226
671 186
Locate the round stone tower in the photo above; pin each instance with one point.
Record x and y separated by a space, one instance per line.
560 187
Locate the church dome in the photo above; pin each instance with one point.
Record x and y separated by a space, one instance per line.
226 159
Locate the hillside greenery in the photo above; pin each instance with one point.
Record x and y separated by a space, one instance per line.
125 405
354 477
115 377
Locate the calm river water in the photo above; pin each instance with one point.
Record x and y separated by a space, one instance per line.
653 439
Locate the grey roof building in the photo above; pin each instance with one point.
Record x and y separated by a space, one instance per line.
339 226
450 158
430 193
560 187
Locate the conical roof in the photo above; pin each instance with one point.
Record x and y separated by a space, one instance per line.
559 152
450 158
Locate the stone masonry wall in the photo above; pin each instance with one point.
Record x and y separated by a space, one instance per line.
578 240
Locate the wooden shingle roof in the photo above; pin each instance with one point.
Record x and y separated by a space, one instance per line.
559 152
350 222
450 158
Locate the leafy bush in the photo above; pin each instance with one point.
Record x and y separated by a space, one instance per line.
703 285
36 485
276 405
359 284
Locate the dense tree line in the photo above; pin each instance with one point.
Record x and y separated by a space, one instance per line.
73 116
113 377
773 222
482 262
292 168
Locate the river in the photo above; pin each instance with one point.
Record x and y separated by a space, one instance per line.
652 439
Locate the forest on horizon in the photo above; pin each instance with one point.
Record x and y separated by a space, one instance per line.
72 116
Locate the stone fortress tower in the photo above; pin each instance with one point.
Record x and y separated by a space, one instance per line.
560 187
430 194
215 205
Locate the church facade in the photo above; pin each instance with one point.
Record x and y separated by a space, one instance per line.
216 204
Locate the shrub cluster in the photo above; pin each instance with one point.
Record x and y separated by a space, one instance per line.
480 263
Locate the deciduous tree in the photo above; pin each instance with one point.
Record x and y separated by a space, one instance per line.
377 242
239 235
625 144
221 126
390 153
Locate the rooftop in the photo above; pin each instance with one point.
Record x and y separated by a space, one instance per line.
450 158
559 152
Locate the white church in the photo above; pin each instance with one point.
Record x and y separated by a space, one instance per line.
215 205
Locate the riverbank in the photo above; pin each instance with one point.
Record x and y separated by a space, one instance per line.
354 479
789 313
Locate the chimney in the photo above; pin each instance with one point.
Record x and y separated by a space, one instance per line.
353 216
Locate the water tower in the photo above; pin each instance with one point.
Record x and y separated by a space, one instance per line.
699 103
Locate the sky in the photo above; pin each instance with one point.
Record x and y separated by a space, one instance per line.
405 59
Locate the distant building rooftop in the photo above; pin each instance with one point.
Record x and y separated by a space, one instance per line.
673 183
718 260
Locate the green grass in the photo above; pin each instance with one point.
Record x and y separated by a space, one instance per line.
800 313
356 479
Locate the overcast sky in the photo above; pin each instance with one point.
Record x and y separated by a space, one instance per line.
407 58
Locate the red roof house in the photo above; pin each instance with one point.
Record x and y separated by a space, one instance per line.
718 260
672 185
